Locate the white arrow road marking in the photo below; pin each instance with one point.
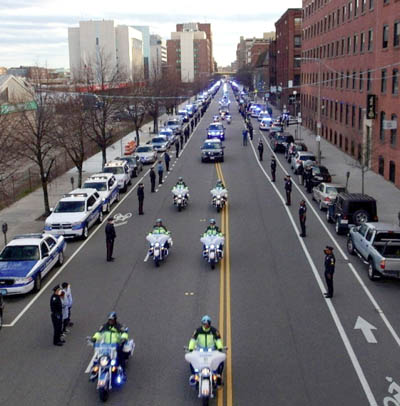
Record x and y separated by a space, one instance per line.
366 329
120 224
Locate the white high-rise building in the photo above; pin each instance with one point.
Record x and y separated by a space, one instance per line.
158 56
119 47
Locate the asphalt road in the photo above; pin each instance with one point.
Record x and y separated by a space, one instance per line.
287 344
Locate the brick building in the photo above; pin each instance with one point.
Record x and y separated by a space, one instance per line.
288 53
350 50
189 56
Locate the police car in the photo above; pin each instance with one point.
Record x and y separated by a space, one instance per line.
27 259
75 213
121 171
107 187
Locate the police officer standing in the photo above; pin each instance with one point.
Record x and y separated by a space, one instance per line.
260 150
140 195
152 179
273 168
177 147
167 159
57 316
110 237
288 189
330 262
302 217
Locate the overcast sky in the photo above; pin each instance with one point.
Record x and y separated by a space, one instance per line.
34 32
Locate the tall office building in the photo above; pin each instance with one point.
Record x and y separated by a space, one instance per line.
158 56
118 46
145 30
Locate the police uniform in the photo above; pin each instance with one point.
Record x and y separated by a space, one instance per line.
152 180
260 150
110 237
302 218
288 189
330 262
273 168
56 316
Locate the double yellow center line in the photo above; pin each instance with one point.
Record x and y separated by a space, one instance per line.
225 302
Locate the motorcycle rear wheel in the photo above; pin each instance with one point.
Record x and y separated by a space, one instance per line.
205 401
157 262
103 394
212 263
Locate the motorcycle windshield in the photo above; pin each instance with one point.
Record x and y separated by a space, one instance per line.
217 192
157 238
212 239
103 349
180 190
205 359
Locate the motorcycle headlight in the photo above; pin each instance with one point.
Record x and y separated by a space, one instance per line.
205 372
180 196
212 246
113 362
157 244
104 361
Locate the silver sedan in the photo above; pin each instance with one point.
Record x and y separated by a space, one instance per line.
325 194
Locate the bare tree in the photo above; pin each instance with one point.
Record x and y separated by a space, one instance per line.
6 144
71 132
34 138
156 91
102 76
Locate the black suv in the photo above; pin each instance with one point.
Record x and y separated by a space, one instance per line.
212 150
280 142
351 209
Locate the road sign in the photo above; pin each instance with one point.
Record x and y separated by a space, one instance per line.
366 328
389 124
318 138
319 124
371 106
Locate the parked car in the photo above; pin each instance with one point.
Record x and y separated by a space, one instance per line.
216 130
26 259
167 132
175 125
351 209
264 114
107 187
293 148
325 194
184 115
378 245
75 213
300 157
121 171
160 143
319 174
212 150
134 162
265 124
280 142
146 154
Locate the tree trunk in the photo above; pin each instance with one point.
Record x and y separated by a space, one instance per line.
80 175
137 137
104 155
43 180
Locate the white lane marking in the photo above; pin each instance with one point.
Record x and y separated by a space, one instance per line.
366 328
74 254
350 265
89 367
120 224
331 308
119 217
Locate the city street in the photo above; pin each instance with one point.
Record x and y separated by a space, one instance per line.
287 344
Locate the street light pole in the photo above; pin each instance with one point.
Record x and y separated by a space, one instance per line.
318 138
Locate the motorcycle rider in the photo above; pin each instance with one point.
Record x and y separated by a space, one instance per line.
220 186
182 184
159 228
213 229
207 336
113 332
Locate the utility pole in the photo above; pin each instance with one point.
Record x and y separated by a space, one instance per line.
318 138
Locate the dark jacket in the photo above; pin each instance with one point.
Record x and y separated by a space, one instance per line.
55 305
288 185
152 175
273 165
167 157
302 212
110 231
330 262
260 147
140 192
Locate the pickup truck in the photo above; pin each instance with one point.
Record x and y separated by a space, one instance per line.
378 245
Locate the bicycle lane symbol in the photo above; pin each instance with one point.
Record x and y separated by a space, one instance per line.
121 219
393 389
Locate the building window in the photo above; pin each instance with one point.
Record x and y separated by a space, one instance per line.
354 80
363 5
369 82
359 118
393 133
385 36
350 10
347 79
338 17
371 4
346 144
353 115
381 130
341 79
342 50
396 34
346 118
395 81
340 141
370 39
297 62
381 165
355 8
348 45
341 112
297 41
385 1
352 148
335 137
362 42
383 81
392 171
359 155
355 43
336 111
361 84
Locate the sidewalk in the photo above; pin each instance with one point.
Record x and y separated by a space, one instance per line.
22 216
338 163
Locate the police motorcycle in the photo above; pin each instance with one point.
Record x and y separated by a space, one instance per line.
205 362
219 197
160 242
106 368
213 243
228 118
181 196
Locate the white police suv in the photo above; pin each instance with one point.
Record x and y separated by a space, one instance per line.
75 213
121 171
107 187
27 259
